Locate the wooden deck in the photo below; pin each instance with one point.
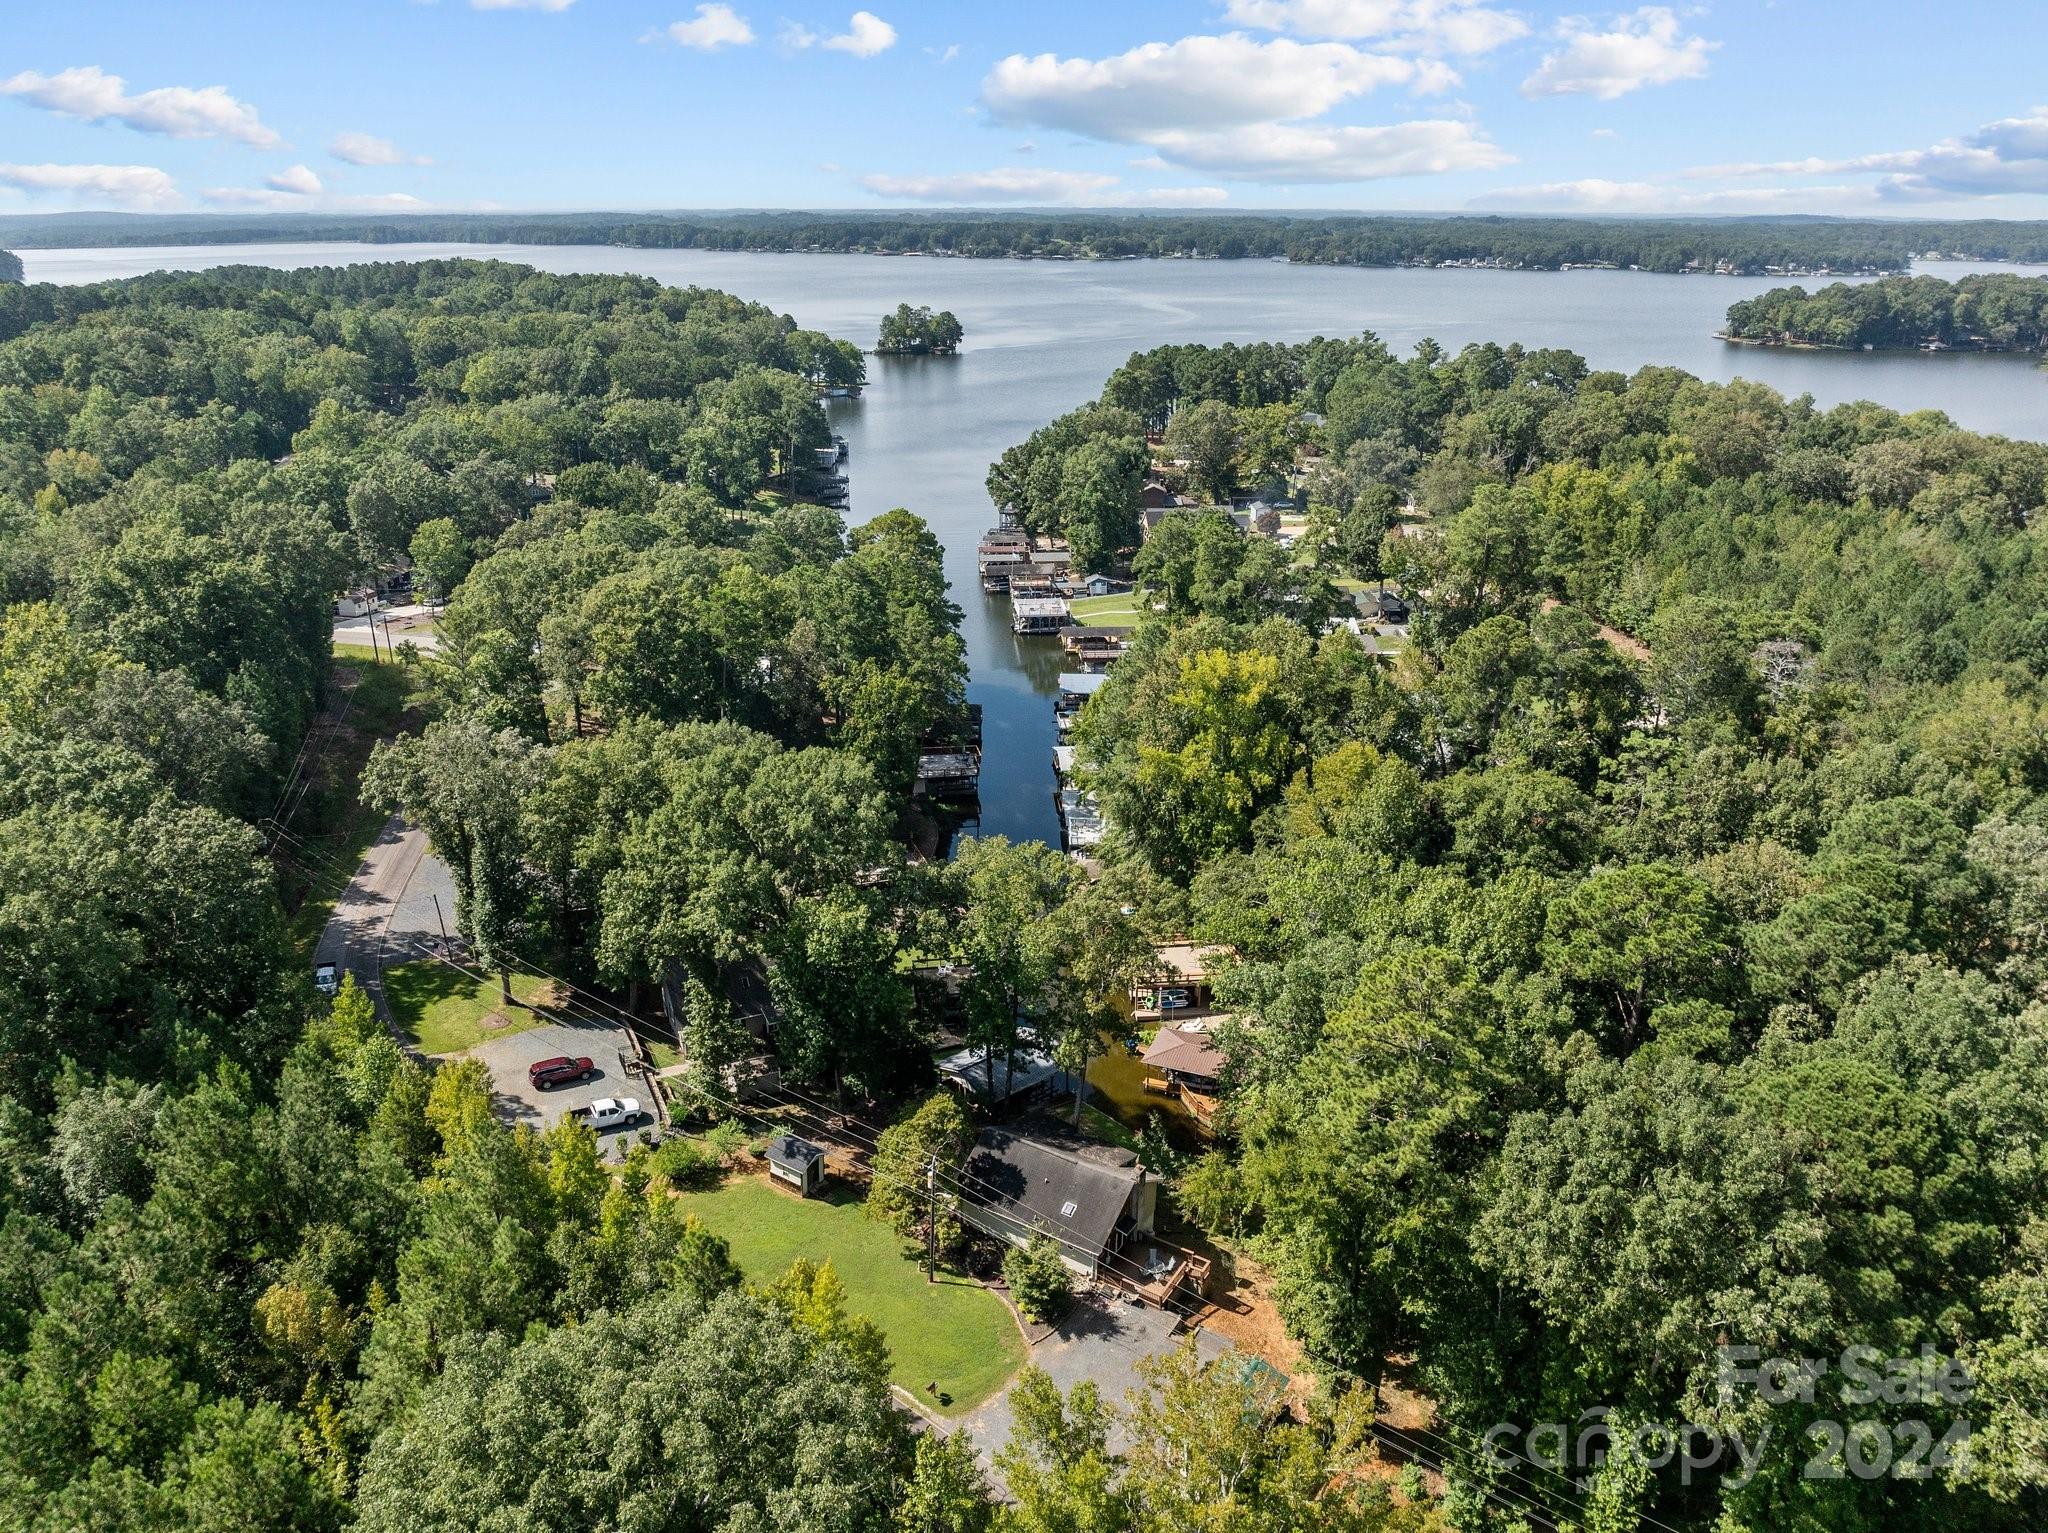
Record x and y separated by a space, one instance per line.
1183 1270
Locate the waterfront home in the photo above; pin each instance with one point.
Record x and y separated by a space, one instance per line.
1089 1198
1189 1066
1096 1202
1028 1074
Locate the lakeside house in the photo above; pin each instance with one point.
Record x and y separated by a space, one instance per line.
1076 687
1093 649
1188 1064
1026 1076
1096 1202
1082 822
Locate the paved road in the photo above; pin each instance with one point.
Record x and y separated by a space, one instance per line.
1102 1340
386 907
387 913
398 624
388 916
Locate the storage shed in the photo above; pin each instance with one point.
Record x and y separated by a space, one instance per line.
798 1162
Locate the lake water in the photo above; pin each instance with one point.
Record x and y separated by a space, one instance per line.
1043 336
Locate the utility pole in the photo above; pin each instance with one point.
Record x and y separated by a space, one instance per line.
442 922
931 1224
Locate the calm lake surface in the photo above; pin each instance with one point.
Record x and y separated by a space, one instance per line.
1043 336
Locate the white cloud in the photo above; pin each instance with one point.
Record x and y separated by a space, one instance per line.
945 55
2024 138
1286 152
1422 26
993 186
90 94
1238 107
1086 188
1594 195
130 186
520 5
2003 158
299 180
368 149
1643 48
716 26
273 197
865 36
1195 83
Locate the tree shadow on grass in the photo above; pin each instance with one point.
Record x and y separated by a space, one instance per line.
413 989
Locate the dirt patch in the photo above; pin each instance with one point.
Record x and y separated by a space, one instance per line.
1241 1308
494 1021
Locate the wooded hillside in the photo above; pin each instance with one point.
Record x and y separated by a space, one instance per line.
1595 1011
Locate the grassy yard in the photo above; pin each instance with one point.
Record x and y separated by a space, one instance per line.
442 1010
954 1332
1119 611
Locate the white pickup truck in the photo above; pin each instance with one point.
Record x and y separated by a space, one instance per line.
609 1113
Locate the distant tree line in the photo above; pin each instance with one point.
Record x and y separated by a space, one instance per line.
1996 312
920 330
1752 247
10 266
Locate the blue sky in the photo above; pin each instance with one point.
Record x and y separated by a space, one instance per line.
1885 107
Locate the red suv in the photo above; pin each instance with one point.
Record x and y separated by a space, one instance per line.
559 1072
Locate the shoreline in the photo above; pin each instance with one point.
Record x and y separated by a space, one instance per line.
1775 343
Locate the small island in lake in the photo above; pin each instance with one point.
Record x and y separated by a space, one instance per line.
919 332
1993 312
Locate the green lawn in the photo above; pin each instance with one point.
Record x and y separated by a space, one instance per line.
1119 611
954 1332
442 1010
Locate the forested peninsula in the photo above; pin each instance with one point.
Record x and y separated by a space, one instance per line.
1747 246
1639 930
1994 312
10 266
259 1261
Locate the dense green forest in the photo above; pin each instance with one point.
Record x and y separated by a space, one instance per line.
1998 312
1752 246
10 266
264 1270
1604 1002
252 1250
920 330
1593 1011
